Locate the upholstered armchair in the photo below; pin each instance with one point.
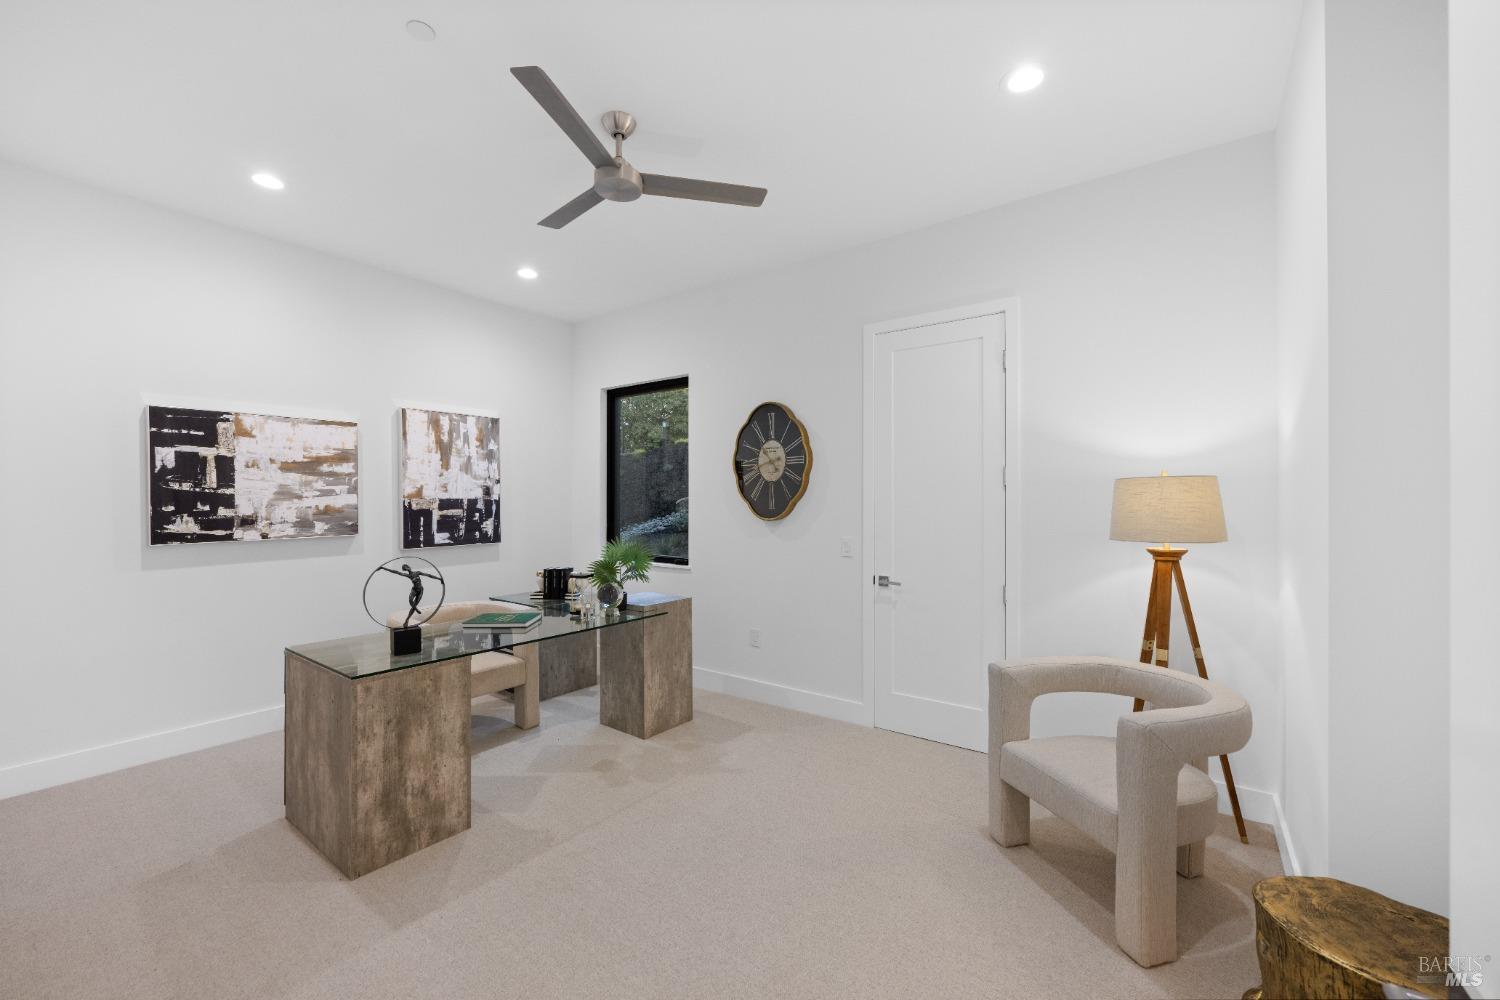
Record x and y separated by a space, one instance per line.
1144 794
491 672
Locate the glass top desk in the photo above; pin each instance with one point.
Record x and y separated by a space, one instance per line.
370 654
377 745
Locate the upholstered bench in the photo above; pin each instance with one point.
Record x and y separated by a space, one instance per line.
492 672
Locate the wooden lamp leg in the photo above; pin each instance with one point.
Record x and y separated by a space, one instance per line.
1163 614
1157 636
1192 630
1148 637
1165 571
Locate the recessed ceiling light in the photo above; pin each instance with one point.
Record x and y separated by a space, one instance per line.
268 181
420 30
526 273
1024 78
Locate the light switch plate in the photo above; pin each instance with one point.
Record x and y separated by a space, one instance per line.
846 548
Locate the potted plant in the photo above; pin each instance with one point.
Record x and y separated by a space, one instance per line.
619 563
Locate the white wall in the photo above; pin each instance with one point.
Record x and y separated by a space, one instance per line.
1474 82
1388 442
1364 371
1302 358
108 303
1147 341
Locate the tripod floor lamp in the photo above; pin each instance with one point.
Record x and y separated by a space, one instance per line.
1183 509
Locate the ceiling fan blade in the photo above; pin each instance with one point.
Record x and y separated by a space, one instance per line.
572 210
686 187
540 85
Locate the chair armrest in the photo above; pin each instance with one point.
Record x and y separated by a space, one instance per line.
1218 726
1015 684
1190 716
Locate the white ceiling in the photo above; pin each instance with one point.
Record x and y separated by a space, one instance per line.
864 119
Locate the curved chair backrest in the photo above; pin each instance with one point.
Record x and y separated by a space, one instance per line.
1174 697
1106 675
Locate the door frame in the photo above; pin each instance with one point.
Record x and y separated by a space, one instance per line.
1011 309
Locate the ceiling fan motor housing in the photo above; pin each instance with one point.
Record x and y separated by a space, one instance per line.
619 124
618 182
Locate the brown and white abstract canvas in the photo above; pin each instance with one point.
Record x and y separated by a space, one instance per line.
450 478
224 476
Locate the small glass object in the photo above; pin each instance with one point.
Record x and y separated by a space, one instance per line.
611 595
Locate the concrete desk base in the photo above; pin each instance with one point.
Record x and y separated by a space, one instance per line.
646 669
376 768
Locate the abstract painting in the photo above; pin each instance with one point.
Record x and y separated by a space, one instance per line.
450 479
222 476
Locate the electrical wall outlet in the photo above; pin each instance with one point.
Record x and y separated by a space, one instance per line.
755 637
846 548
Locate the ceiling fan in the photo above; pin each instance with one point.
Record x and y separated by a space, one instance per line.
614 177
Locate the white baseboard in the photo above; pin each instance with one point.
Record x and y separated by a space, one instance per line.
1289 858
31 776
826 705
1261 806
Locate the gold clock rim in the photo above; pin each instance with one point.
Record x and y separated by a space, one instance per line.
806 474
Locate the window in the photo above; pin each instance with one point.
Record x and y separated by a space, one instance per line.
646 430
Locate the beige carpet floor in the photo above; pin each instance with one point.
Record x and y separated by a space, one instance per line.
754 852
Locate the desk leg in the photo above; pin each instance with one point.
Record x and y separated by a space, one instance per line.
377 768
646 673
529 695
622 678
318 759
669 679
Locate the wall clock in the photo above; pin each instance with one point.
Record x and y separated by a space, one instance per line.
772 461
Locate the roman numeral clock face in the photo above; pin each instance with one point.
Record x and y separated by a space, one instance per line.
772 461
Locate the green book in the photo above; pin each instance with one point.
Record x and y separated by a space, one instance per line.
504 619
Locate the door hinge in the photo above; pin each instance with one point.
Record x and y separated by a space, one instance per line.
1004 481
1003 596
1002 360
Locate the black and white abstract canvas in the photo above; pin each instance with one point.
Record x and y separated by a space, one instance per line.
223 476
450 478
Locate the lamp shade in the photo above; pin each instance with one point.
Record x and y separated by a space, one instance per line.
1167 509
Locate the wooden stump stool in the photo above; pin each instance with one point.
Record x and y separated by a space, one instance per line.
1322 938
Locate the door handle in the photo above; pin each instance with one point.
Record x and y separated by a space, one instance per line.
884 581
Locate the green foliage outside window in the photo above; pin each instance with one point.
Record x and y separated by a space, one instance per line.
652 420
648 468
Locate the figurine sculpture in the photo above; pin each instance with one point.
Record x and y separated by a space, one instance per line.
414 600
408 637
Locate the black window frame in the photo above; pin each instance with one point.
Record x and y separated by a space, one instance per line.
612 449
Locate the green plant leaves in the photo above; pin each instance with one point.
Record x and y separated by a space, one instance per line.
621 561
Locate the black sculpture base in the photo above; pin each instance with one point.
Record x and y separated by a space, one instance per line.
406 640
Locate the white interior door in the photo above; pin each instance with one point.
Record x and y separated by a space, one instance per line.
939 513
